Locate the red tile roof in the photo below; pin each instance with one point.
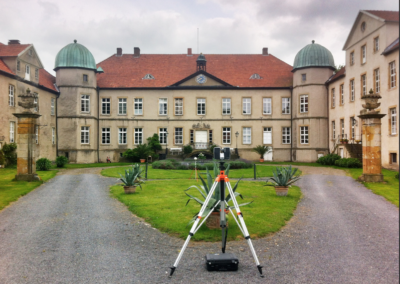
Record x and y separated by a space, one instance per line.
341 73
391 47
390 16
47 80
4 67
127 71
12 49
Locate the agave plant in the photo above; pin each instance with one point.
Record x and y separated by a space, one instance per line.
133 176
205 189
283 176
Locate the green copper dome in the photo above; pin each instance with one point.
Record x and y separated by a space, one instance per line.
313 55
75 55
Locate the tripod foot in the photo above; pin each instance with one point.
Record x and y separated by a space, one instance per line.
172 271
259 270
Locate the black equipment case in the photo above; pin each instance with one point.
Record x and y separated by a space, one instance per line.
222 262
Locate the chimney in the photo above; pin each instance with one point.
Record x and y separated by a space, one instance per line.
13 41
136 52
189 52
265 51
119 51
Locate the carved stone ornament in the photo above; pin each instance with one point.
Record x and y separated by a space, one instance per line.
371 100
200 125
28 100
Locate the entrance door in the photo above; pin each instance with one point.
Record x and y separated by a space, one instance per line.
341 153
268 156
201 140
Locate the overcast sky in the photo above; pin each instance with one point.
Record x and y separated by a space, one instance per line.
170 26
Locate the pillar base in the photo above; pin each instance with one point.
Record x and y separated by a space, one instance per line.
371 178
27 177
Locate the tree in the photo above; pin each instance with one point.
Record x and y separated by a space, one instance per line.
154 143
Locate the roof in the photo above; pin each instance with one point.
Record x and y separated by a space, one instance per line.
12 49
47 80
340 74
75 55
127 71
4 67
387 16
391 47
313 55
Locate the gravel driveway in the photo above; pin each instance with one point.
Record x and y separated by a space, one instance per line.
69 230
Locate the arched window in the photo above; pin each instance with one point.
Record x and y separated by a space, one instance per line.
255 76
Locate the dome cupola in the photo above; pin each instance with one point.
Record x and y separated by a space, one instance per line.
313 55
75 55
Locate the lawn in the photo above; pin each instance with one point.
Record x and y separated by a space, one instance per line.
11 190
162 204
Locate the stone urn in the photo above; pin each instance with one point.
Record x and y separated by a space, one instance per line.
371 101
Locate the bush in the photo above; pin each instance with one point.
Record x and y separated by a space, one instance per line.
328 160
10 155
156 165
348 163
396 175
154 143
2 158
61 161
43 164
187 149
182 167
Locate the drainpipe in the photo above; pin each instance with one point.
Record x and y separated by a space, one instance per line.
98 123
327 114
56 126
291 125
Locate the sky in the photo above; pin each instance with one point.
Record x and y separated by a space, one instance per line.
172 26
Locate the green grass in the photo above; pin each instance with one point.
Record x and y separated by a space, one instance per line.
162 204
11 190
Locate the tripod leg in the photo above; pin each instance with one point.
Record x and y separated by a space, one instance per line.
244 228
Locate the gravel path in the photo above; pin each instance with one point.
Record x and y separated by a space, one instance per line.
69 230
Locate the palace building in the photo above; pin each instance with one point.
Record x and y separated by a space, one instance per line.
238 101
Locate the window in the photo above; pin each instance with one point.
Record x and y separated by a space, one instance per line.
392 69
246 105
201 106
352 58
53 106
37 74
27 69
363 54
11 97
53 135
85 135
36 134
303 77
191 136
162 106
85 78
179 106
18 66
267 135
138 136
12 131
393 158
352 90
333 130
226 106
121 135
377 81
178 135
342 129
286 135
376 44
342 94
122 106
226 135
303 103
363 85
246 135
85 103
255 76
353 128
363 26
36 102
148 77
105 135
285 105
333 97
30 52
267 106
304 135
163 135
210 136
138 107
105 105
393 121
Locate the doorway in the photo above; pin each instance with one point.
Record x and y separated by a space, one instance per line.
200 140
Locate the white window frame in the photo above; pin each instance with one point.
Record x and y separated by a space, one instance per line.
138 106
37 134
285 105
267 135
246 135
393 121
246 108
162 134
304 135
105 106
53 106
364 53
352 58
286 135
12 131
105 135
27 69
162 106
85 131
333 130
267 105
36 102
122 135
85 103
122 106
342 129
376 43
11 95
178 136
303 103
53 136
37 74
364 84
377 76
341 88
138 136
226 106
226 135
353 127
333 97
178 103
352 90
201 106
392 68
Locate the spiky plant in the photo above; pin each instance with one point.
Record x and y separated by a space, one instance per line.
133 176
262 150
283 176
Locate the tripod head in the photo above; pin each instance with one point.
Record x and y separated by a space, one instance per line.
222 154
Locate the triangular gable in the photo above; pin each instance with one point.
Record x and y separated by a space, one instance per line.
211 81
24 55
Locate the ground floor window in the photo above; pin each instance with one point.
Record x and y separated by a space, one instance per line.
105 135
85 135
210 136
37 134
191 136
163 135
286 135
246 135
393 121
226 135
267 135
333 130
121 135
304 135
393 158
53 136
138 136
179 135
12 131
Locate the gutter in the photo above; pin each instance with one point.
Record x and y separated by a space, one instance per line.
98 124
291 125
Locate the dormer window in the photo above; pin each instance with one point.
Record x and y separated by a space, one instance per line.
255 76
148 77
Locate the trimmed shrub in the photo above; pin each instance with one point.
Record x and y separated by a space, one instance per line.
61 161
156 165
10 155
348 163
182 167
328 160
43 164
187 149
